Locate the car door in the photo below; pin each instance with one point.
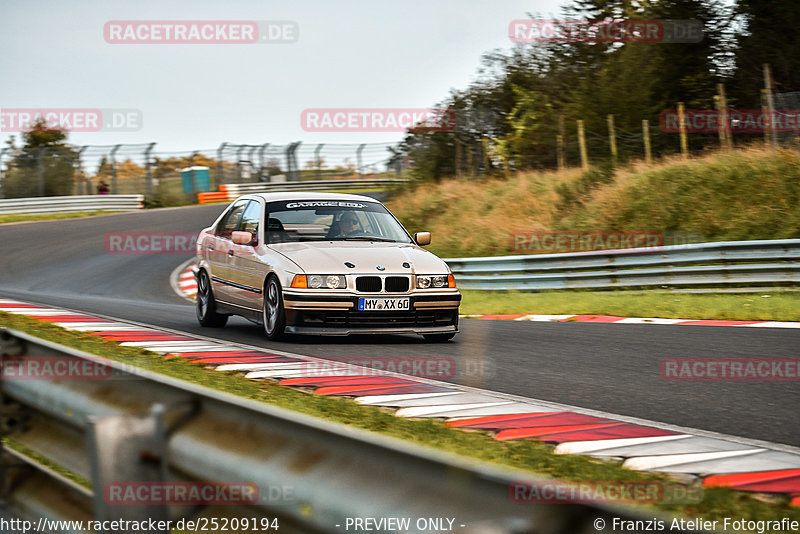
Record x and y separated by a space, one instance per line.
220 250
246 269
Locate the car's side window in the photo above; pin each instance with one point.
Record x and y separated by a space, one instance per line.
250 220
230 222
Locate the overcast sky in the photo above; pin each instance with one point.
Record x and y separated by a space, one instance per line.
349 54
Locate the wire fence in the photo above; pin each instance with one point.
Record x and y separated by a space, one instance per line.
161 176
467 150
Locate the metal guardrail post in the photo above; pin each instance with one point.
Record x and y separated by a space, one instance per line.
113 155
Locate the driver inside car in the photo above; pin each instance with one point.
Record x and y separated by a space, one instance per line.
349 224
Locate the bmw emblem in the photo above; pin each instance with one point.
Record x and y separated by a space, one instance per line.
381 268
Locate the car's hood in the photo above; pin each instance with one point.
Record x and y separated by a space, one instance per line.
325 257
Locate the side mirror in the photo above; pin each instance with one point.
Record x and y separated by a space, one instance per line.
422 238
242 238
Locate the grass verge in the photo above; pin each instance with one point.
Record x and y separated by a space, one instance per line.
534 457
762 306
26 217
734 195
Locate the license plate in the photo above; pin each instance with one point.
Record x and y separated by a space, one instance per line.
382 304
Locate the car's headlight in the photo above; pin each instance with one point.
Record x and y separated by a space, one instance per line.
320 281
436 281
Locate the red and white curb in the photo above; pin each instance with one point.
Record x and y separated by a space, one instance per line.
186 286
588 318
183 282
717 459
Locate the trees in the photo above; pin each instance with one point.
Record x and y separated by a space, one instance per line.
770 36
529 87
43 166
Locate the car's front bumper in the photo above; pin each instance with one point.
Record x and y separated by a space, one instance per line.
339 315
346 331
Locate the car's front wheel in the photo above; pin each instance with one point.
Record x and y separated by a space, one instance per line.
206 306
272 311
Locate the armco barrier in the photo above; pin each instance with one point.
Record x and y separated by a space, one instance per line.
234 190
721 263
69 204
144 428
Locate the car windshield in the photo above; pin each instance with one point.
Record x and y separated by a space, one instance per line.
332 220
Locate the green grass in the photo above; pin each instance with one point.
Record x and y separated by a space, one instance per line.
762 306
528 455
25 217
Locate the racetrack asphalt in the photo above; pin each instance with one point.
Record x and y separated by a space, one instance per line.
608 367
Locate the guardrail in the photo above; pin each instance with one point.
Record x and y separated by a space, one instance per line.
135 426
67 204
721 263
235 190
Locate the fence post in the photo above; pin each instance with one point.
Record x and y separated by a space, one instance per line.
561 142
295 165
148 175
682 128
220 169
471 159
317 161
81 179
2 153
458 159
239 164
40 169
725 139
612 139
648 153
770 104
114 187
582 144
261 161
486 160
358 159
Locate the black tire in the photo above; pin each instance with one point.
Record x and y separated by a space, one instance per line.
272 312
439 338
206 305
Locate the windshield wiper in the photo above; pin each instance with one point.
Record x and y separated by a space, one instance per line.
368 238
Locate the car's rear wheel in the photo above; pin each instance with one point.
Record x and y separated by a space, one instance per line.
273 314
439 338
206 305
